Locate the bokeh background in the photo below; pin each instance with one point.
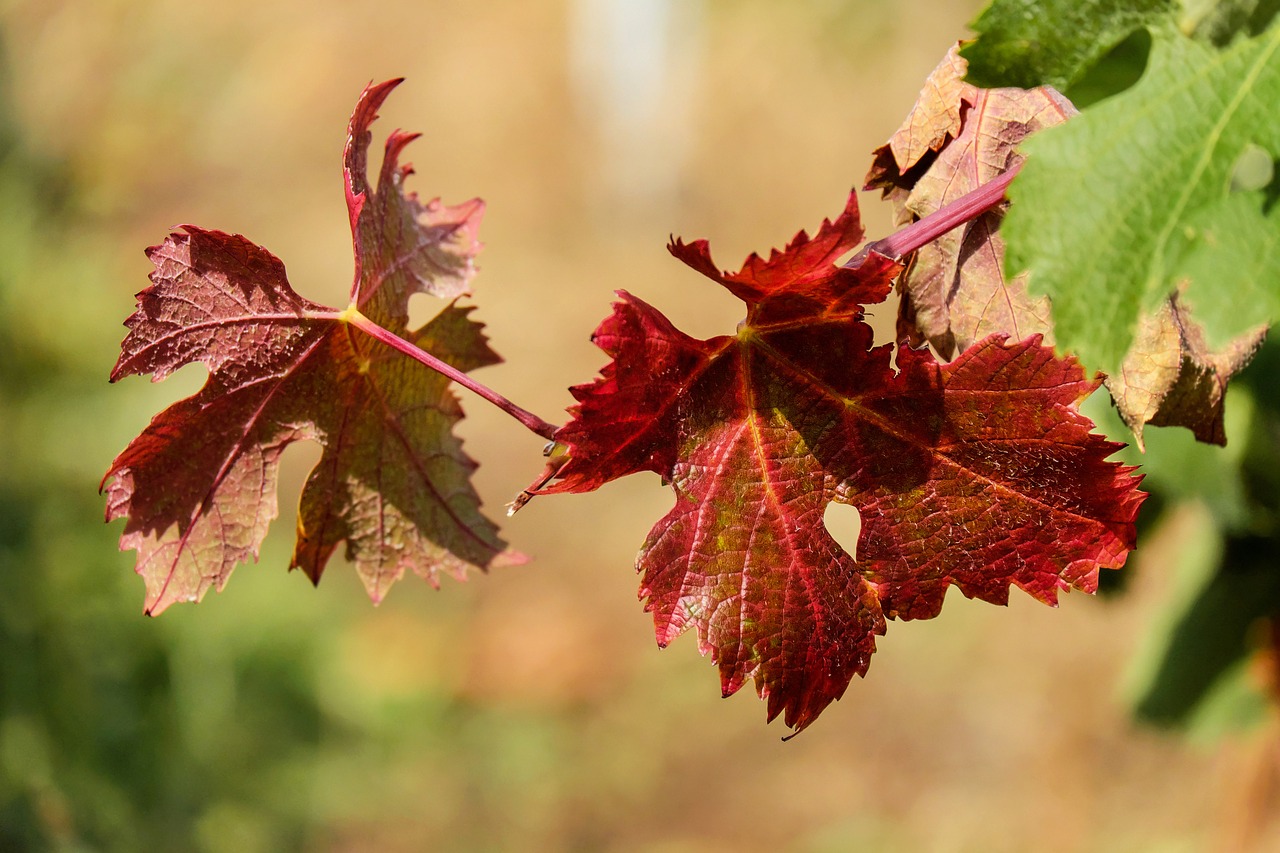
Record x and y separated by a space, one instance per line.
528 709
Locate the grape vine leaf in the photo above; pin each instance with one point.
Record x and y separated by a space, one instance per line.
956 138
1170 377
198 487
1159 166
1027 43
977 474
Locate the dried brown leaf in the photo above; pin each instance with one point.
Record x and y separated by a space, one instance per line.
1170 377
955 291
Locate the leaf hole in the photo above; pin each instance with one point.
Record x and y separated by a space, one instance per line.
844 525
1253 169
297 462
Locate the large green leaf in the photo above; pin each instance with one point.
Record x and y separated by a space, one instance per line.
1120 206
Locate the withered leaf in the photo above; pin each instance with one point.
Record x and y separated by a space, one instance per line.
955 291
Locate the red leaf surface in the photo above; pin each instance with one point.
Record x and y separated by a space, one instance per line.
978 474
198 486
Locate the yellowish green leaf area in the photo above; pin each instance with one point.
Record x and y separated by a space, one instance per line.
1155 191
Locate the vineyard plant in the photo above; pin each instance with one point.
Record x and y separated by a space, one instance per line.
1088 261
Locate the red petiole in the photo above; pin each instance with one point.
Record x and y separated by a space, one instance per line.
531 421
968 207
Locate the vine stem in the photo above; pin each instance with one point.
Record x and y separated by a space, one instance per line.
969 206
531 421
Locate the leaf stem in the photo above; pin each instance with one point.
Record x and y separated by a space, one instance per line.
968 207
531 421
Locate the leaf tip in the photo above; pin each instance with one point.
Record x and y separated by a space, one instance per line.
507 559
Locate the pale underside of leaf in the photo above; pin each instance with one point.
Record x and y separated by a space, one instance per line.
955 290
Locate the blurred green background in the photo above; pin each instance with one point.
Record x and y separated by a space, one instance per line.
528 709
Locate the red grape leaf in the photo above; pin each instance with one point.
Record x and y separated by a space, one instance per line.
980 474
956 138
198 487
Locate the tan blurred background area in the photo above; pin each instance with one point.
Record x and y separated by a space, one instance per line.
527 709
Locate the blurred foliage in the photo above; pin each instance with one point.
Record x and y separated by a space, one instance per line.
102 744
1208 663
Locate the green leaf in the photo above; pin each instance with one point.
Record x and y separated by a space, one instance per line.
1134 197
1027 43
1239 234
